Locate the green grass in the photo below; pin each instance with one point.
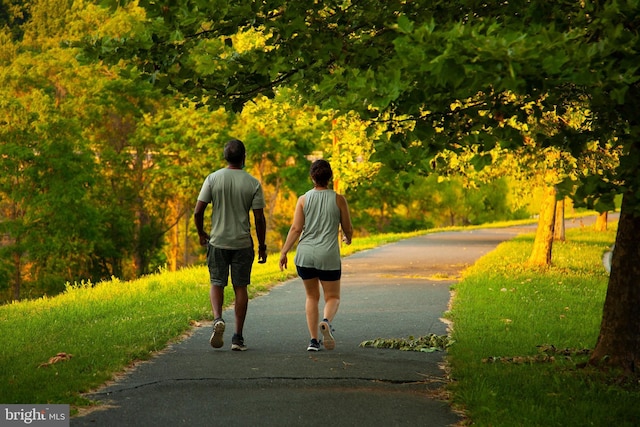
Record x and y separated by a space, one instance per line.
107 326
503 311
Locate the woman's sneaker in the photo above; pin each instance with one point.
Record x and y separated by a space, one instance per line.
218 331
314 345
325 330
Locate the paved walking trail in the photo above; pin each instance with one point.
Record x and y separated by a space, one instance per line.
398 290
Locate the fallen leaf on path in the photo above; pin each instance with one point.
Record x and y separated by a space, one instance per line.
60 357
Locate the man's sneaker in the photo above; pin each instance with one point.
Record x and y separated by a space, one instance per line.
218 331
237 343
314 345
325 330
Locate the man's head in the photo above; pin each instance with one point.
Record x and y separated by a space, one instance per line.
234 153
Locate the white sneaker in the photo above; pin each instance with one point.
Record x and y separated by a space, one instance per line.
328 340
216 340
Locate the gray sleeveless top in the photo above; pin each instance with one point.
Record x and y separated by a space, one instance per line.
318 245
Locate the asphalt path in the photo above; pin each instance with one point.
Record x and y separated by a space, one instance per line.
397 290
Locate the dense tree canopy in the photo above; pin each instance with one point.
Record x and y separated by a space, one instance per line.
406 61
100 169
447 71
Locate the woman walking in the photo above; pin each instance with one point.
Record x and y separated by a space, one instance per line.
319 215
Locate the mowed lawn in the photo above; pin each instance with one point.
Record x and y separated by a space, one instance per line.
521 334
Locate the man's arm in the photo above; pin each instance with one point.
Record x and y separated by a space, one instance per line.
261 232
294 231
198 218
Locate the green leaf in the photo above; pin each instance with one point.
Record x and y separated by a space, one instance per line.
405 25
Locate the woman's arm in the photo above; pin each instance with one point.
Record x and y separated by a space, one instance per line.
345 219
294 232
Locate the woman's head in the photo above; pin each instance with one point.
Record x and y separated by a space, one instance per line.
321 173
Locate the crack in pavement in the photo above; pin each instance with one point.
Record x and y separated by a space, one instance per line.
427 380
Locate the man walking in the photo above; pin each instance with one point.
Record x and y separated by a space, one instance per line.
233 193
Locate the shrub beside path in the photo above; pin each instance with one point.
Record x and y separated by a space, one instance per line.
395 291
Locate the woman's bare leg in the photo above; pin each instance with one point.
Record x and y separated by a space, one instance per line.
331 290
312 288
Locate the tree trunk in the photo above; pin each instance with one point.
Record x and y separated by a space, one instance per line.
618 345
17 276
543 244
558 228
601 222
185 257
138 252
382 218
175 239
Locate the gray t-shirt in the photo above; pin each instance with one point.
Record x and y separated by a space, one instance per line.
318 245
233 193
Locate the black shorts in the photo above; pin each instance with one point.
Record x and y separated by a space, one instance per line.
306 273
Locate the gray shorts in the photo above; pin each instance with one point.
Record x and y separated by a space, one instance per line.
238 261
